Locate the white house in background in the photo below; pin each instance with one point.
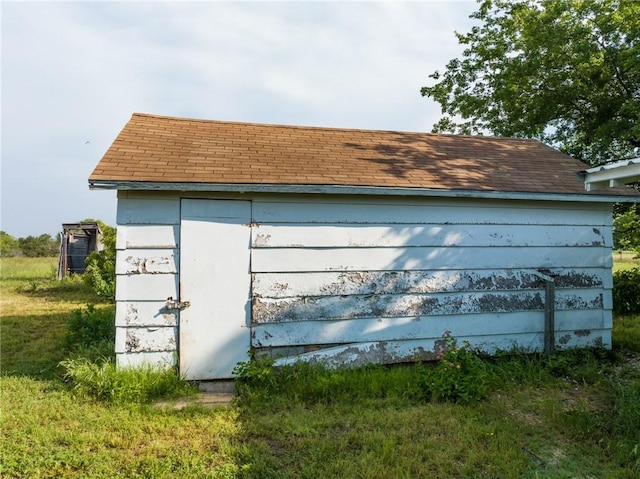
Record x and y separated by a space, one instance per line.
348 246
612 174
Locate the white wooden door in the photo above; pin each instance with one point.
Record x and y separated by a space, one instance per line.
215 278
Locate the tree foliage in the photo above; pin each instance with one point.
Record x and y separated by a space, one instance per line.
39 246
566 72
626 230
8 244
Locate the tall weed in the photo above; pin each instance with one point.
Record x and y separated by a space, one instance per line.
260 383
102 380
460 375
583 365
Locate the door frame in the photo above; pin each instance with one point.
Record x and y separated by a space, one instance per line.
215 278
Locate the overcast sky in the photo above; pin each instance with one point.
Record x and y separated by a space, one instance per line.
74 72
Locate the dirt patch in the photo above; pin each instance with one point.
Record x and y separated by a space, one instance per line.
206 399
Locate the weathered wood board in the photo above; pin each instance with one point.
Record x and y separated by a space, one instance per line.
145 313
146 339
148 210
419 327
407 235
430 212
147 236
301 284
389 352
147 261
396 305
425 258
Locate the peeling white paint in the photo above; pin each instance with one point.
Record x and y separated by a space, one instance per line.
146 261
398 305
311 332
291 285
149 339
373 280
144 313
389 352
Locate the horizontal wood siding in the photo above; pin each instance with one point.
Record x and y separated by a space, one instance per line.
348 281
374 279
419 327
147 264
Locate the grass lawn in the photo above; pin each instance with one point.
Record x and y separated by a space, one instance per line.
564 419
34 307
625 260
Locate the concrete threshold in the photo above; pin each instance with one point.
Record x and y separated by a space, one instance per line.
212 394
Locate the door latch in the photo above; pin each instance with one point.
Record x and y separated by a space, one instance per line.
173 305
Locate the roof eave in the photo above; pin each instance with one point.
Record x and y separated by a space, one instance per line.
613 174
355 190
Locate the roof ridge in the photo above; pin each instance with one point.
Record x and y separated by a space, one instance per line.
329 128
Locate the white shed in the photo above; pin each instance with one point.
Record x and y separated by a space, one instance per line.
348 246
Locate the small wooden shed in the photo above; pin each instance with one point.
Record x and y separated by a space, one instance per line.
77 242
348 246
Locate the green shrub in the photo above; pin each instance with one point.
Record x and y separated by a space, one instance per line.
626 291
100 273
102 380
256 372
460 375
91 333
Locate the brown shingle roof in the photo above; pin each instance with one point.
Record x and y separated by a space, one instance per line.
160 149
